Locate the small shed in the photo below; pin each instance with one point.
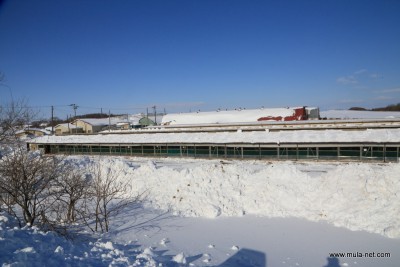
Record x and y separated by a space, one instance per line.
145 121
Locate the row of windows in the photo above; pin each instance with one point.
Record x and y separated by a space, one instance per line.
357 152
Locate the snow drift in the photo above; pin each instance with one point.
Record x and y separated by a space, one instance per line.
358 196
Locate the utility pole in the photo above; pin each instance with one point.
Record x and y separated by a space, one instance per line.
155 114
75 107
69 130
109 121
52 119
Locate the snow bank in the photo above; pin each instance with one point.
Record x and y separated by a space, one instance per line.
358 196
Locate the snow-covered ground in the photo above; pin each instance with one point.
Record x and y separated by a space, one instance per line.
232 213
252 115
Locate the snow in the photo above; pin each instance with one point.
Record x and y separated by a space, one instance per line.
252 115
44 131
68 125
179 258
104 121
225 116
355 114
230 213
132 119
304 136
344 194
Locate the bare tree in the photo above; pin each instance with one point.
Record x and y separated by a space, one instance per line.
108 196
13 117
27 179
74 184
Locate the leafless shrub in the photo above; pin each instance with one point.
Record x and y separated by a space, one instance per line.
106 197
48 191
73 184
13 117
26 182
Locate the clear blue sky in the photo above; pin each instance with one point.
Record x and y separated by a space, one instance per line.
125 55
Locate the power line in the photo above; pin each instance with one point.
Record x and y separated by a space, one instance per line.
75 107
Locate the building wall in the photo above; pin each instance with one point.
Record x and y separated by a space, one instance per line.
96 128
61 129
346 152
87 128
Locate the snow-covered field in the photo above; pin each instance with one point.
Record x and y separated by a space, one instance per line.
232 213
356 114
252 115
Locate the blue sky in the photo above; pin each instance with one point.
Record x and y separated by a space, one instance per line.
126 55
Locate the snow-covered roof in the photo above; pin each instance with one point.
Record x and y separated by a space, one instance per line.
33 129
131 119
226 116
101 122
68 125
305 136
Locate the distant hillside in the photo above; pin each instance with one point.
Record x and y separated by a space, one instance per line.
389 108
393 107
95 116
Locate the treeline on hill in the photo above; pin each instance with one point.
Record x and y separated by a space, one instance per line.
393 107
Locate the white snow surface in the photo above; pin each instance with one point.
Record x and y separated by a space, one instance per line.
252 115
304 136
358 196
225 116
230 213
356 114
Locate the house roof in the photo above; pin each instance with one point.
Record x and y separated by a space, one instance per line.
33 129
105 121
68 125
131 119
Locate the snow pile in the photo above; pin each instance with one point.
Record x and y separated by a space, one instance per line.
32 247
358 196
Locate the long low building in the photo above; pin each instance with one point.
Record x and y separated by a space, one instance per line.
367 144
242 116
